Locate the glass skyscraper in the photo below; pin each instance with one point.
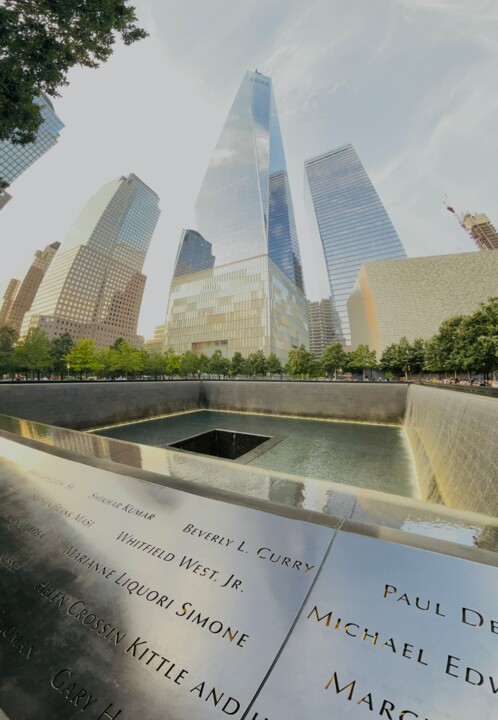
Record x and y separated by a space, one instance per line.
351 222
94 286
15 159
194 254
251 297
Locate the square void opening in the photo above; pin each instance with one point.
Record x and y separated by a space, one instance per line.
221 443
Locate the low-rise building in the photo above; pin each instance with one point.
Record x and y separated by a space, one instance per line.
412 297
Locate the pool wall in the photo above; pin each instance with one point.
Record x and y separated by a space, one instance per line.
453 436
83 405
364 402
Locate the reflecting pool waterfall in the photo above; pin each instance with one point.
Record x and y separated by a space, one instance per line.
454 440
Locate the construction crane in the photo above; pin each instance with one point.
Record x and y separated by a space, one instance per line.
477 227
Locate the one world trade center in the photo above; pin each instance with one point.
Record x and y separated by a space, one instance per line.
244 287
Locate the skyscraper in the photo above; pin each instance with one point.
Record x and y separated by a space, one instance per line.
321 325
15 159
480 227
351 222
194 254
251 296
20 295
95 285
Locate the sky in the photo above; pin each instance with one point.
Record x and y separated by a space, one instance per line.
410 83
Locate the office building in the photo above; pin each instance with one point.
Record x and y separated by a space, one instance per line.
321 325
481 229
8 300
15 158
155 344
20 294
243 290
194 254
351 222
411 297
94 286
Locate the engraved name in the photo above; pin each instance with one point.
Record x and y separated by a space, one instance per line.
127 508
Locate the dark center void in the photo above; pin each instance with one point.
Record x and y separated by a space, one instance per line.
221 443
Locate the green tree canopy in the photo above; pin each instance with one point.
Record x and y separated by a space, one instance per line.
219 365
83 358
156 365
33 353
172 362
301 363
61 346
334 357
362 359
273 365
237 364
404 357
256 362
8 336
127 360
41 40
189 364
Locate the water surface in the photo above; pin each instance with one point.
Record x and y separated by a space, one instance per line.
360 454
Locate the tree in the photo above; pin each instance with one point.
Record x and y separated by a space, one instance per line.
83 357
257 362
8 336
301 362
33 354
107 360
219 365
172 362
334 357
237 364
403 357
362 359
61 346
273 365
127 359
189 364
445 351
41 40
156 365
203 364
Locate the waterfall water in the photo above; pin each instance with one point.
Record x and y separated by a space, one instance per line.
454 439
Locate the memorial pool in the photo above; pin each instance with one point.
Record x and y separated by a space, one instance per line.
360 454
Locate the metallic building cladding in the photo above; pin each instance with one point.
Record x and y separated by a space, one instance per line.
95 285
412 297
244 213
353 225
15 159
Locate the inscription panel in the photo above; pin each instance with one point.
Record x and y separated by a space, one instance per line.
122 598
390 631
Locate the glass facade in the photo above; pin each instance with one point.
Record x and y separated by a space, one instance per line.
242 307
351 221
94 286
245 219
15 159
194 254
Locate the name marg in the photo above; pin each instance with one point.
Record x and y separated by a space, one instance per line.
369 701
